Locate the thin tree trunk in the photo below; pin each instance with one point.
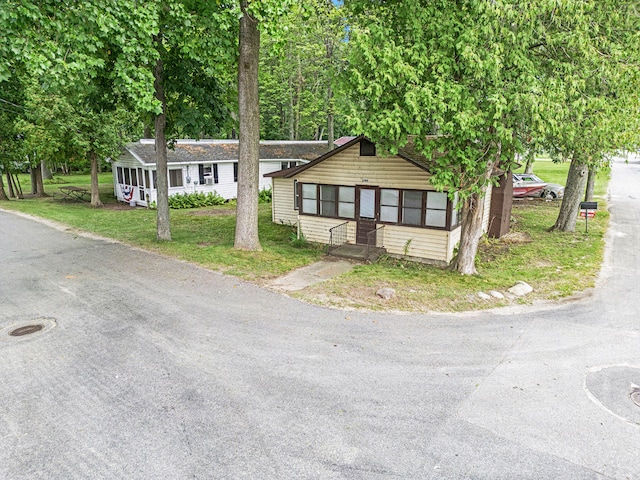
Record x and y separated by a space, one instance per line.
3 193
292 128
163 230
568 214
95 191
12 194
591 184
246 237
330 120
531 156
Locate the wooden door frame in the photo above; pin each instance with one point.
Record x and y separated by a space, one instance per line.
364 225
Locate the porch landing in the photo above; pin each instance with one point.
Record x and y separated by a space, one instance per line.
357 252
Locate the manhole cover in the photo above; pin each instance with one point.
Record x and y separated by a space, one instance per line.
26 330
22 331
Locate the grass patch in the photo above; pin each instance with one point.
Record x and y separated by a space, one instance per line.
556 264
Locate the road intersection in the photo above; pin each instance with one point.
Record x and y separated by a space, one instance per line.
153 368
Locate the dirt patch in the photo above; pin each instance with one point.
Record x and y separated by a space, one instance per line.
515 238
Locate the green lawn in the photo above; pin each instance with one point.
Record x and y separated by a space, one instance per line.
555 264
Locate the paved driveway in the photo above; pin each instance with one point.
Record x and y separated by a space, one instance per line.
150 368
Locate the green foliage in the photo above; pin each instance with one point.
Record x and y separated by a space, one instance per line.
265 195
298 240
195 200
298 70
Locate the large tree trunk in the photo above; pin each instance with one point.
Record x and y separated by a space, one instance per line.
163 230
472 215
591 184
249 147
465 262
95 191
34 184
568 215
39 183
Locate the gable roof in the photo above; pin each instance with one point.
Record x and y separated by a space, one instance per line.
408 153
203 151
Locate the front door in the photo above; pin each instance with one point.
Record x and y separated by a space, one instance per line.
366 214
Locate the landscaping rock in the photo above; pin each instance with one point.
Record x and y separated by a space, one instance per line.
520 289
484 296
496 294
386 293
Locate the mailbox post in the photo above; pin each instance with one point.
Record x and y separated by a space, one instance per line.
586 207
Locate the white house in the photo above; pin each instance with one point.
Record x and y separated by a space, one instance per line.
201 166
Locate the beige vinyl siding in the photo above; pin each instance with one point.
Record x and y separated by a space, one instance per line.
424 243
349 168
454 241
283 207
487 210
316 229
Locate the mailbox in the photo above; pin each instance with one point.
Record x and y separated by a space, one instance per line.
588 205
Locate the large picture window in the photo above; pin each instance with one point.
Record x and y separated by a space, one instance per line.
418 208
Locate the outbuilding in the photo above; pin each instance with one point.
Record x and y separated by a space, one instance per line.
351 195
201 166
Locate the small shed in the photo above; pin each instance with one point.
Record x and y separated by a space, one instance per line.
201 166
354 196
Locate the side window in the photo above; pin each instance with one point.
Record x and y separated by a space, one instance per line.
235 172
175 178
436 215
296 195
285 165
120 176
310 198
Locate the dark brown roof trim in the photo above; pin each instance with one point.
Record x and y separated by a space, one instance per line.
292 172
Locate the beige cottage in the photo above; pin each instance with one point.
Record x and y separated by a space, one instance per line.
352 196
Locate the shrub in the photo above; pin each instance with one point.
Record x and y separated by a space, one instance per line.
265 195
195 200
298 242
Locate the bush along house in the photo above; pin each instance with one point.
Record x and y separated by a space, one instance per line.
201 166
362 204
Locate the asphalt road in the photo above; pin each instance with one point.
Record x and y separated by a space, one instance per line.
150 368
